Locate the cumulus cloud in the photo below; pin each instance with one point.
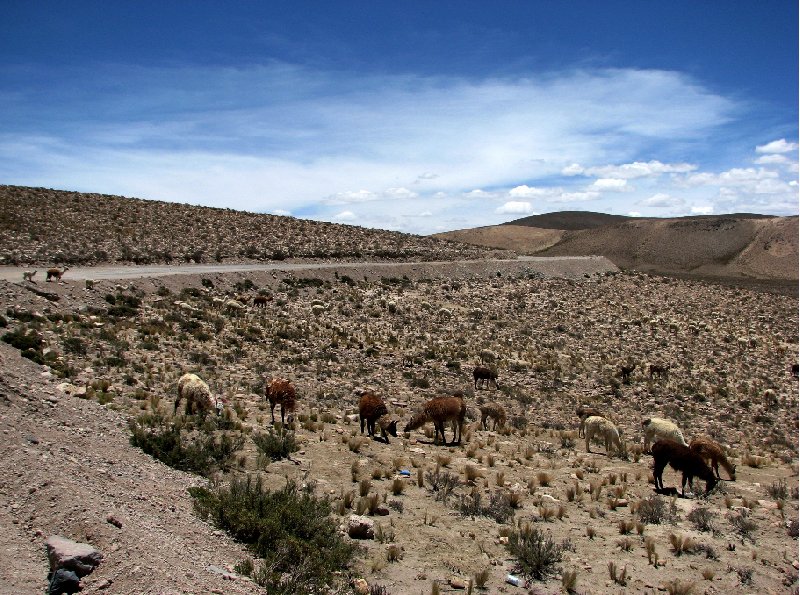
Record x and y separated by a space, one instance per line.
525 191
703 210
777 146
629 171
610 185
515 207
345 216
772 159
661 200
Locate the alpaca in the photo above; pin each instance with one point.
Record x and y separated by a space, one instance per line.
57 273
260 301
496 412
371 409
662 371
484 375
656 428
439 410
234 307
584 411
711 451
626 371
279 390
601 427
197 394
28 276
683 459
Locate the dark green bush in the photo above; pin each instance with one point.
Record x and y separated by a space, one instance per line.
536 553
168 442
290 529
276 445
24 340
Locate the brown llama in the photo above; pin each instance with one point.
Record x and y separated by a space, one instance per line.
279 390
683 459
711 451
584 411
260 301
56 272
484 375
494 411
371 409
440 410
660 370
626 371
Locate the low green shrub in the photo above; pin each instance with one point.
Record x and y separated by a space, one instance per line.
276 445
537 554
290 529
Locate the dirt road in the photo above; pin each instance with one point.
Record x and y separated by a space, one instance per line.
8 273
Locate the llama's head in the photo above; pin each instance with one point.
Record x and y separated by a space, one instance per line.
417 421
710 483
391 428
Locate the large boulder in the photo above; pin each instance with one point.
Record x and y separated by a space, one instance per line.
63 553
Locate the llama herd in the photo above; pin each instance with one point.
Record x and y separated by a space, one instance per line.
662 438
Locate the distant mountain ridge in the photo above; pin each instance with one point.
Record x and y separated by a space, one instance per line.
735 246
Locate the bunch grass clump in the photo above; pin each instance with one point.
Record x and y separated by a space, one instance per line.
537 554
276 445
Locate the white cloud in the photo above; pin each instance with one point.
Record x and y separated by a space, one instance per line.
703 210
400 193
610 185
525 191
515 207
777 146
629 171
351 196
772 159
661 200
567 197
281 212
345 216
634 214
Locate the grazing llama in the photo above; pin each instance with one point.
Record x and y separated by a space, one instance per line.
683 459
712 451
596 426
280 390
484 375
197 394
372 409
656 428
440 410
584 411
494 411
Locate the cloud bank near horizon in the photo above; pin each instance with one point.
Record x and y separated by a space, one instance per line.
410 153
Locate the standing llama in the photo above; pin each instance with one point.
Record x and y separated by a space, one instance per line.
484 376
280 390
372 409
683 459
56 273
712 451
496 412
440 410
197 394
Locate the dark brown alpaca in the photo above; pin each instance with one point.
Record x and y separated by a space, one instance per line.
626 371
683 459
662 371
279 390
485 375
371 409
440 410
260 301
711 451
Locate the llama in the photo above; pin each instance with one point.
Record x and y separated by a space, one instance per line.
584 411
711 451
660 370
683 459
656 428
28 276
279 390
371 409
596 425
496 412
234 307
484 375
439 410
260 301
56 272
197 394
626 371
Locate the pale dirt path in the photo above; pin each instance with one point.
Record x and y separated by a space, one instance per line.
9 273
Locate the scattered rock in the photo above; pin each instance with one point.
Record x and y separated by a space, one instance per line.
360 527
64 553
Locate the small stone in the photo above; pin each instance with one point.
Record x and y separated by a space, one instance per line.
114 521
360 586
457 583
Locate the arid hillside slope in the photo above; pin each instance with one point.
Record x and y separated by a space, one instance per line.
731 246
40 226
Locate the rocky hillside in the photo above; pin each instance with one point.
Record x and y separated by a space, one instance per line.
44 227
730 246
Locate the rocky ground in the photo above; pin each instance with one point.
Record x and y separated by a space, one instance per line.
115 351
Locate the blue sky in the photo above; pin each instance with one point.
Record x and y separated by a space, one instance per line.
417 116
